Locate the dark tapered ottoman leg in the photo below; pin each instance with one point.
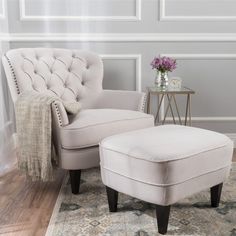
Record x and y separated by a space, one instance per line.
112 196
75 180
215 195
163 213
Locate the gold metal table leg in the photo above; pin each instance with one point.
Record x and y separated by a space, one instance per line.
159 107
172 113
148 102
187 111
177 109
158 102
167 109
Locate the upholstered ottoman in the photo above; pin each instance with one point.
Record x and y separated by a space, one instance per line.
164 164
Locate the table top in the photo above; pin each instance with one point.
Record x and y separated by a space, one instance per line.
158 90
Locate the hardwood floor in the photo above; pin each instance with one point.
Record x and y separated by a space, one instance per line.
26 207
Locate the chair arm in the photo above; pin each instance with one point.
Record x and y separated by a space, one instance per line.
121 99
59 119
59 114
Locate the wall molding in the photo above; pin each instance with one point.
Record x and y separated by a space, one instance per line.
119 37
209 119
3 14
136 17
206 57
138 62
202 56
164 17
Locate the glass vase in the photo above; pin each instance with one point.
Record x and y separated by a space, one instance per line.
162 79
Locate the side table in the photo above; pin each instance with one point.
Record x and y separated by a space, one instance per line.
170 95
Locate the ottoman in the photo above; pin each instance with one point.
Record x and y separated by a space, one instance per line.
164 164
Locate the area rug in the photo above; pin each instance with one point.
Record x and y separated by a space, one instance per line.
87 213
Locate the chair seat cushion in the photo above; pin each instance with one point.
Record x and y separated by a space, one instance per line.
169 161
90 126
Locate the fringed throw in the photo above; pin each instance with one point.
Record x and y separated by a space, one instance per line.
34 131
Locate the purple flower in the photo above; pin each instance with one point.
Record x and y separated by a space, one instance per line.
163 64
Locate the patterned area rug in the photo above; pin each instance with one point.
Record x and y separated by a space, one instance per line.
87 213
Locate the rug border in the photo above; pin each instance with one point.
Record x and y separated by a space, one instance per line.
51 224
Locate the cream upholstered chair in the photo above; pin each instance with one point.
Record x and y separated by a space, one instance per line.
75 75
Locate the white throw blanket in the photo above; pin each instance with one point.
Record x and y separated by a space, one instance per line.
34 131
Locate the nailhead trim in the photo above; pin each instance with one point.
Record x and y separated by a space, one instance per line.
144 103
13 75
58 113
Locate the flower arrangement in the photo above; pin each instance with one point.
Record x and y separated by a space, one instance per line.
164 64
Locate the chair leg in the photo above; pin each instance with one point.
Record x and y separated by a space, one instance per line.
75 180
112 196
216 194
162 213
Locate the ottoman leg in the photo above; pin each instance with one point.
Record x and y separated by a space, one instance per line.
163 213
215 195
112 196
75 180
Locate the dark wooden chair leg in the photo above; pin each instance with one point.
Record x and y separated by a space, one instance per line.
216 194
163 213
75 180
112 196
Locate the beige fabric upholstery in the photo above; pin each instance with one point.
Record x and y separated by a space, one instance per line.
86 157
73 75
163 164
95 124
118 100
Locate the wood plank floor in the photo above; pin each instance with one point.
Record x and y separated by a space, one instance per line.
26 207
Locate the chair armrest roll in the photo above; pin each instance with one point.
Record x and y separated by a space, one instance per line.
59 114
117 99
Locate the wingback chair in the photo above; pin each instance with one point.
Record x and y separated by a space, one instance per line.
75 75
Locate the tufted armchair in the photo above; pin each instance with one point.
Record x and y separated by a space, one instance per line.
75 75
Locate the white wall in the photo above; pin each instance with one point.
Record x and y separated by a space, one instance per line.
201 34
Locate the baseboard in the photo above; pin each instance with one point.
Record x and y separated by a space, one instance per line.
232 136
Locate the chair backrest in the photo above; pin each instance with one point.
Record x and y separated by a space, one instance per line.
72 75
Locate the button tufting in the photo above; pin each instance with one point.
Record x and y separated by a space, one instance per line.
73 76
